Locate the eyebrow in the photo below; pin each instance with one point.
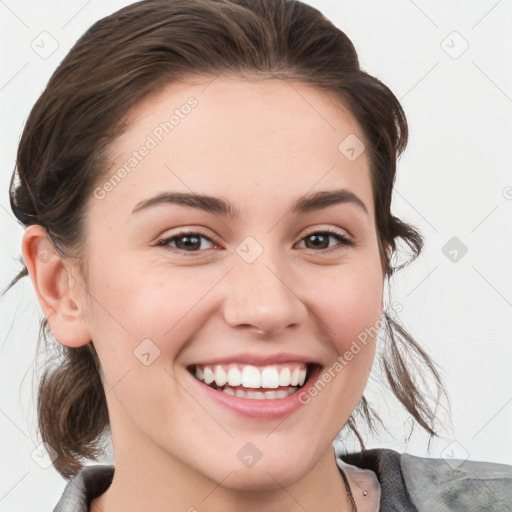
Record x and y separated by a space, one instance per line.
216 205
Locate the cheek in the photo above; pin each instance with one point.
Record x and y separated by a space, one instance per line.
133 304
348 303
140 321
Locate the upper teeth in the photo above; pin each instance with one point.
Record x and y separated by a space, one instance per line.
249 376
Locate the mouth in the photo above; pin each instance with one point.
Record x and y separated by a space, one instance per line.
254 382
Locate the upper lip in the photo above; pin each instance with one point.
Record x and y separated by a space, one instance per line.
258 359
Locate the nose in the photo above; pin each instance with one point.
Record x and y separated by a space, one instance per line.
262 296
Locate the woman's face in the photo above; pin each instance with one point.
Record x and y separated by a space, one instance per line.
208 255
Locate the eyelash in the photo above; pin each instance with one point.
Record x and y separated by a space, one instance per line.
342 239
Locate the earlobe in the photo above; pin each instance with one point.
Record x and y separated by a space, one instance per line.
51 280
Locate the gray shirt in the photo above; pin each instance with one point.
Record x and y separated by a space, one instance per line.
407 484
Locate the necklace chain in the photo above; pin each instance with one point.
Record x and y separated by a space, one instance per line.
350 496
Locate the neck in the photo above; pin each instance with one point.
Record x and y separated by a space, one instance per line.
147 479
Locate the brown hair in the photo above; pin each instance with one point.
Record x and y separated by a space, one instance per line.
133 53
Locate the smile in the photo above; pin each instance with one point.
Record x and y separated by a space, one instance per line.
253 382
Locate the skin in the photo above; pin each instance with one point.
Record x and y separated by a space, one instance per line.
258 144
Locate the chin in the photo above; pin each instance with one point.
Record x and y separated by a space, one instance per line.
271 468
267 477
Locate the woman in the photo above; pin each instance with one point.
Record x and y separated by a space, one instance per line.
206 187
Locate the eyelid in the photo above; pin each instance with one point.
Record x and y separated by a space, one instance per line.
327 229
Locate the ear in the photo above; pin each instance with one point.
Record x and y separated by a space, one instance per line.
55 288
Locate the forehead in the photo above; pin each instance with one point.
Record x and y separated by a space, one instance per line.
243 139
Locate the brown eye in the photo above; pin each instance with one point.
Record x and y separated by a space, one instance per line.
187 241
321 240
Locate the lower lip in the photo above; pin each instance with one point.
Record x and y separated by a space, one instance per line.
271 408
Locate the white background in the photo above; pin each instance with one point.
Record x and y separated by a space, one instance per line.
455 180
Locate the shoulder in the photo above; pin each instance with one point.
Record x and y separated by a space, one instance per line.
87 484
437 485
